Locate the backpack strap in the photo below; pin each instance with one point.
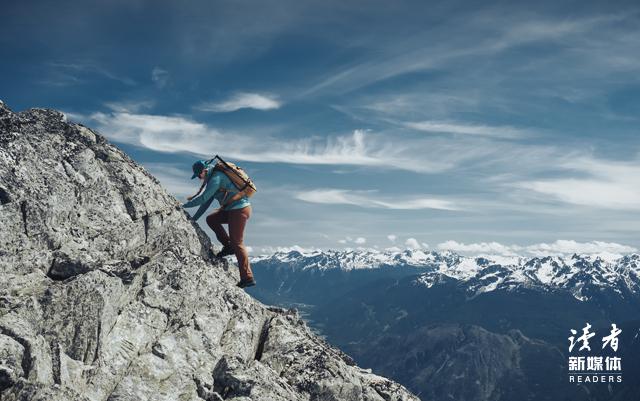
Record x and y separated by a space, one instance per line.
229 168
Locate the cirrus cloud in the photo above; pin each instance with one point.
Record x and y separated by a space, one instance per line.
358 148
369 199
609 184
449 127
242 100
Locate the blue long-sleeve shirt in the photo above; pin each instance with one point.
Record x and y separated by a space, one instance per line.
216 180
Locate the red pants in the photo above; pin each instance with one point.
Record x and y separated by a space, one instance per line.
237 220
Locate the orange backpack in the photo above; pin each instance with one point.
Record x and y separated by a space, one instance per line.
238 177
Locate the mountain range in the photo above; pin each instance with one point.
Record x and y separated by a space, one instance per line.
458 327
577 274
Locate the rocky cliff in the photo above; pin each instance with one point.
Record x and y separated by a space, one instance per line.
108 291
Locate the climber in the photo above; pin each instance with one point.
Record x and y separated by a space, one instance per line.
220 187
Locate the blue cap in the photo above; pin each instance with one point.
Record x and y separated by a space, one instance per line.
197 168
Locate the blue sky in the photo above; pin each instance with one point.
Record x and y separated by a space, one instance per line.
492 126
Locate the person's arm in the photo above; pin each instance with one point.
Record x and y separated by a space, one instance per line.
212 186
202 209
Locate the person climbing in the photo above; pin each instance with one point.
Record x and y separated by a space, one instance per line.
234 212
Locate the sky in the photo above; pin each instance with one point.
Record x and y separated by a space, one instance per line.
470 126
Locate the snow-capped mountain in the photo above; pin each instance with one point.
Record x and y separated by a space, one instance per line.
581 275
357 259
438 315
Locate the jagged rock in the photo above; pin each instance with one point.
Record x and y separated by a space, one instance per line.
109 292
11 353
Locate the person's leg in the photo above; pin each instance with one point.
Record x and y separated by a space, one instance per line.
215 221
237 222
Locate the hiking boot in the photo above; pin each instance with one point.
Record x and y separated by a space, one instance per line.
246 283
226 251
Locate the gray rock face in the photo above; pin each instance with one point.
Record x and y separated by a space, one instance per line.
108 291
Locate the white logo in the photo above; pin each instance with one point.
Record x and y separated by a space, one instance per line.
594 368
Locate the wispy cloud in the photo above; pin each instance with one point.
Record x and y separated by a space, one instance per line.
417 101
130 106
64 74
242 101
61 79
450 127
359 148
159 76
545 30
370 199
557 248
608 184
492 35
159 133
